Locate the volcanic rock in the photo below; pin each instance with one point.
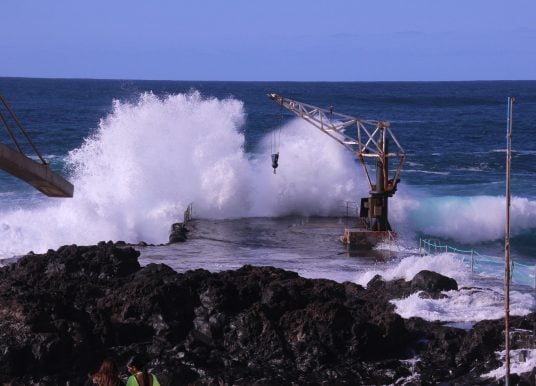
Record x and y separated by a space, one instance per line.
63 312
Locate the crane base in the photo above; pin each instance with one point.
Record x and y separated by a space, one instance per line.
361 238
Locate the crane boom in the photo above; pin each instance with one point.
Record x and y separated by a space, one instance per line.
37 174
370 144
372 136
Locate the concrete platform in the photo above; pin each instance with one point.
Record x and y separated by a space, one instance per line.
34 173
361 238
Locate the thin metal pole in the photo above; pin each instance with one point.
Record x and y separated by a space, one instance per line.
507 265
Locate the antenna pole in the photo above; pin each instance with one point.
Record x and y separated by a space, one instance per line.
507 272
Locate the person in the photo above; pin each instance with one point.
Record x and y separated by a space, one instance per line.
108 375
140 377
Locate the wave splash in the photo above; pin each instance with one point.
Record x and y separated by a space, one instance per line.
485 303
149 159
465 219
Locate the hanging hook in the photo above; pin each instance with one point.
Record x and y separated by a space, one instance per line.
276 141
275 160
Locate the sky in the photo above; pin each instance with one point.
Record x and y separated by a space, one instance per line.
287 40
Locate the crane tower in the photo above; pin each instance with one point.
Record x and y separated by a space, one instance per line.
379 153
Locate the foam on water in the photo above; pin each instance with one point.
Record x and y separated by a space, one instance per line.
464 219
465 305
469 304
444 263
521 361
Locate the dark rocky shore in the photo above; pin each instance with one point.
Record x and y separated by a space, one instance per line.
63 312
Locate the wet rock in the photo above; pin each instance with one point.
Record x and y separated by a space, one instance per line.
64 311
430 283
433 282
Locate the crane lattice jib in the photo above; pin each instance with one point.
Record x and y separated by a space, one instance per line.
370 141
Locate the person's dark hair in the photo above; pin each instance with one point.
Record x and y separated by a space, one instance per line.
139 363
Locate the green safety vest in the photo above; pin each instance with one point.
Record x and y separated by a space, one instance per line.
137 380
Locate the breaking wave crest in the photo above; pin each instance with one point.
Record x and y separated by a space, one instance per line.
149 159
465 219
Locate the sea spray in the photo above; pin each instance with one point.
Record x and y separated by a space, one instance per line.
406 268
149 159
468 305
156 156
316 176
465 219
523 361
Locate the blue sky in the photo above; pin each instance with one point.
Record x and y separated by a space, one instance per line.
296 40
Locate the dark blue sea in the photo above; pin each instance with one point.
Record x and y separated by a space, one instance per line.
139 152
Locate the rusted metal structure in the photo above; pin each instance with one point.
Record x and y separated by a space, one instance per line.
37 174
376 147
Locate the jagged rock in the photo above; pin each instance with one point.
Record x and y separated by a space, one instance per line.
433 282
430 283
62 312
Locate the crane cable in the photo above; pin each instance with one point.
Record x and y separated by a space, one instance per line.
276 142
18 124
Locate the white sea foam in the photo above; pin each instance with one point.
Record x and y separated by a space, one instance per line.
472 169
521 361
515 151
426 172
465 305
444 263
464 219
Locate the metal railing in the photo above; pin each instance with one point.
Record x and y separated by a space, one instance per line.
491 265
352 212
188 213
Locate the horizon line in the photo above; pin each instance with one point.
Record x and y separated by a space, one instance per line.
265 81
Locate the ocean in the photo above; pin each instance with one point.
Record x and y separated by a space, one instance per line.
139 152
